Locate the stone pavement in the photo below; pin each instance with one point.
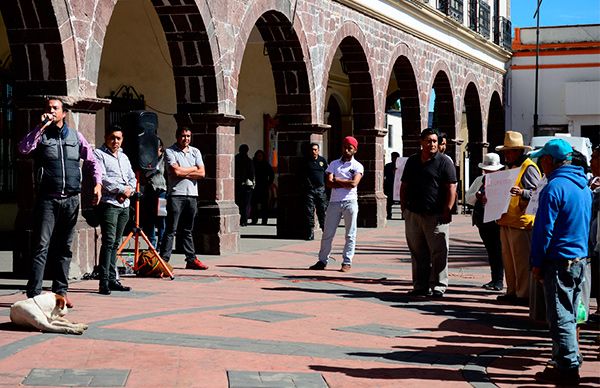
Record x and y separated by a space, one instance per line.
261 319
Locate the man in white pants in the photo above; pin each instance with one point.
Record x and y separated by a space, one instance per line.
343 176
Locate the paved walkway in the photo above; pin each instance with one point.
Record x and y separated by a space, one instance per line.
260 319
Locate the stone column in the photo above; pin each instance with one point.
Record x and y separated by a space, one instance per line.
291 138
216 230
371 200
82 117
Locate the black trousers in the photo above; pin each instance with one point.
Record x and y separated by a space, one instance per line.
490 235
315 199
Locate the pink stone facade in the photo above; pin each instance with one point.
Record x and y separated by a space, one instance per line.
57 46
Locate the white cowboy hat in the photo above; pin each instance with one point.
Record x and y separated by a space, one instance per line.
513 141
491 162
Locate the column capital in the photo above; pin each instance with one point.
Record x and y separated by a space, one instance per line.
217 119
377 132
304 127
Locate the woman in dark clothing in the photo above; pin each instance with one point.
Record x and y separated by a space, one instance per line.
264 179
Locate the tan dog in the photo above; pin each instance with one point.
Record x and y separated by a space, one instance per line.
45 312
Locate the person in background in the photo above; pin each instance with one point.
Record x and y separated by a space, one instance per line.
155 187
559 250
343 177
427 195
264 179
442 142
57 150
515 225
315 197
185 168
488 231
594 184
118 185
244 183
389 174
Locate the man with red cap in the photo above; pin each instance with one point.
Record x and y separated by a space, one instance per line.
343 176
427 195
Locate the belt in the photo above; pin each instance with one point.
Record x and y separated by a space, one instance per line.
568 263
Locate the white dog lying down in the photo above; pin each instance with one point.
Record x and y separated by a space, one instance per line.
45 312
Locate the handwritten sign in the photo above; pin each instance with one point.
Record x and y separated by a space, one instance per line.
400 163
534 201
497 192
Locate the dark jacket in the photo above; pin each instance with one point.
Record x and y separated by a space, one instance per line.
57 162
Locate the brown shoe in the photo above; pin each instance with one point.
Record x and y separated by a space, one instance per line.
345 268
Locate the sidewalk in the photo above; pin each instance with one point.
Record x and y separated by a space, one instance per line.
261 319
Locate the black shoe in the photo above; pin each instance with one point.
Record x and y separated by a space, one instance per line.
318 266
437 294
491 286
116 285
551 375
104 289
418 293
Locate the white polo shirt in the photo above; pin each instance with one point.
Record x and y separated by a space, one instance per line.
344 170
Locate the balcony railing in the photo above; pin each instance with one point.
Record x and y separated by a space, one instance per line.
452 8
503 33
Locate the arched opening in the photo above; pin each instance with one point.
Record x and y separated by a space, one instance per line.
273 95
443 110
495 127
402 110
8 141
474 132
334 135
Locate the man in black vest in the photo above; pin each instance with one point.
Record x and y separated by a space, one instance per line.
57 151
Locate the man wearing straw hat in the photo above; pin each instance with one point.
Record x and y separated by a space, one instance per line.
515 225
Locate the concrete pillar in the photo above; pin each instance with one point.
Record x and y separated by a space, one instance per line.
371 200
216 230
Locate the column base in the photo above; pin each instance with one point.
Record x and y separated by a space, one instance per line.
371 211
217 229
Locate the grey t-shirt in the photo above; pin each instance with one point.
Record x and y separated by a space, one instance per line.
189 158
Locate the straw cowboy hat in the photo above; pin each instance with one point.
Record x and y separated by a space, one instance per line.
491 162
513 141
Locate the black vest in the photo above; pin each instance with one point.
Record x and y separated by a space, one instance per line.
57 162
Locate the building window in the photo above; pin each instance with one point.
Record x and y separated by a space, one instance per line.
503 32
452 8
473 14
484 19
390 136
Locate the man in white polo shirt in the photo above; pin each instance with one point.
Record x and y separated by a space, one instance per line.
343 176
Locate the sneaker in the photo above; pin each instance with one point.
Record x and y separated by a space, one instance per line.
116 285
491 286
551 375
345 268
195 264
437 294
318 266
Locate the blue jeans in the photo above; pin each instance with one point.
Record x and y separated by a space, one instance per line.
112 224
333 215
562 288
181 213
54 223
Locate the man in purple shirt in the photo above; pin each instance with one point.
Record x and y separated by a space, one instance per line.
57 151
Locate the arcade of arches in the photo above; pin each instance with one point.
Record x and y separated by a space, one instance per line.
272 74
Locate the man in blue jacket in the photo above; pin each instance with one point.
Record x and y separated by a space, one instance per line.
559 248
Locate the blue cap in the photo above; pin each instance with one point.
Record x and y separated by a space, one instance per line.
559 149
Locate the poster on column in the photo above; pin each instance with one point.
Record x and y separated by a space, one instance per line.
400 163
497 192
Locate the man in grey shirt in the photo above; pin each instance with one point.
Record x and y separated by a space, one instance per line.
185 168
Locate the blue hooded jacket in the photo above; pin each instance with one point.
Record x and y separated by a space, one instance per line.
562 221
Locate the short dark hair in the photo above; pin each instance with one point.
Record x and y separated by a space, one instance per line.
113 128
579 159
315 144
442 136
180 130
244 149
395 154
63 103
429 131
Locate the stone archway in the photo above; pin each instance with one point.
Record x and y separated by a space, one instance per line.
443 110
495 127
475 130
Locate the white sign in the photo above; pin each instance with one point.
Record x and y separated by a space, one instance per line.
497 192
534 201
400 163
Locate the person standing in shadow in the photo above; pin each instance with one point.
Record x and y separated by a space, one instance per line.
264 179
244 182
